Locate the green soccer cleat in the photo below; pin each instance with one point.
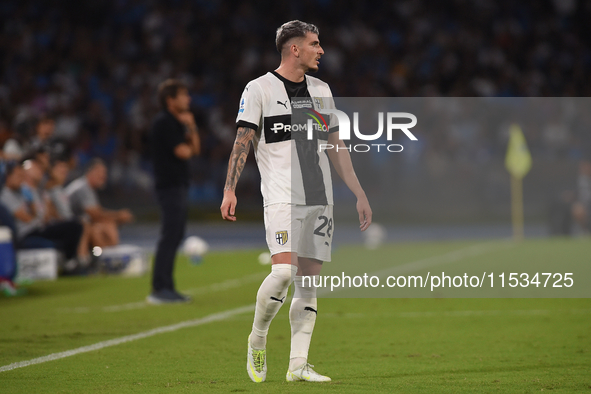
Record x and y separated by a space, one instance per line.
307 374
256 364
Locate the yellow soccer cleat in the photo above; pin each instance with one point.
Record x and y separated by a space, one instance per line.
256 364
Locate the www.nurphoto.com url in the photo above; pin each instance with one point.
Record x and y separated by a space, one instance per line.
437 281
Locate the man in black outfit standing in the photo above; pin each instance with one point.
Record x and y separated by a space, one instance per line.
174 141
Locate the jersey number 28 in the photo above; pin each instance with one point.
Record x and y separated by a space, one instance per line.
325 222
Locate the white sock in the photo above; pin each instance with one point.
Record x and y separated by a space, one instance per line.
270 297
302 316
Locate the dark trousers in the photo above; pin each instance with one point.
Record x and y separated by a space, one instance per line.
174 207
64 236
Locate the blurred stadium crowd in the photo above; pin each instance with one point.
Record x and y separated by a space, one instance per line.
93 67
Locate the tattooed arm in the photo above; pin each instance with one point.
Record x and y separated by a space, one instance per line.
238 157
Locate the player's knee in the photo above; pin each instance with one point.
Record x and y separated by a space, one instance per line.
284 273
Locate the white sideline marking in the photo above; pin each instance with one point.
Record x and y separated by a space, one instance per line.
225 285
124 307
228 284
117 341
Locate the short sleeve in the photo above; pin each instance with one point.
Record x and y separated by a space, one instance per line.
251 107
60 201
88 197
11 201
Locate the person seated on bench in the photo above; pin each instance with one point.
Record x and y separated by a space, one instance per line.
58 206
29 211
85 204
7 267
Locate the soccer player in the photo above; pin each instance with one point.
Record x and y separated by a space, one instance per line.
297 192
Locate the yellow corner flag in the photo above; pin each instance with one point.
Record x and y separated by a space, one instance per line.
518 163
518 159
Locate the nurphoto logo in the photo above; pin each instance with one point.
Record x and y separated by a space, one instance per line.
345 129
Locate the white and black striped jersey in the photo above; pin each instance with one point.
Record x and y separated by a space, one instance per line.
293 168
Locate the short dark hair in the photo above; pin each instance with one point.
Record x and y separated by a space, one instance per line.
60 150
46 117
96 161
9 167
293 29
169 88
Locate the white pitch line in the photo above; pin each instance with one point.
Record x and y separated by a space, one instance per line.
129 338
228 284
125 307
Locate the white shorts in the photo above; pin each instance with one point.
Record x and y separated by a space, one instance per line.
305 230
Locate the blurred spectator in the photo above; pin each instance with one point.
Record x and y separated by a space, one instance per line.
8 258
12 149
8 267
20 196
21 145
59 208
27 211
60 203
86 206
34 176
94 65
43 134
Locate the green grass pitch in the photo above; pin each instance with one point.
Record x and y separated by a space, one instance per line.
367 345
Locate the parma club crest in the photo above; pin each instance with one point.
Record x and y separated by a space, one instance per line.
319 103
281 237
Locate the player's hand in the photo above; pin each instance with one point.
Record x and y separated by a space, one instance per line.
365 213
228 207
187 118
